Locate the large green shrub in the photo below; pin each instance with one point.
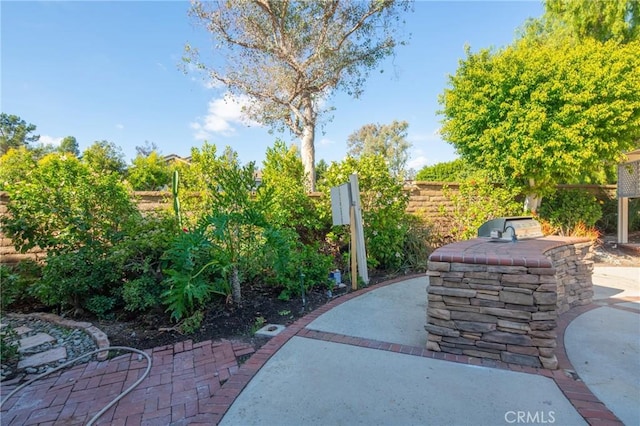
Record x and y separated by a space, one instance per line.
149 173
63 207
291 205
475 202
569 207
16 282
138 253
451 171
383 204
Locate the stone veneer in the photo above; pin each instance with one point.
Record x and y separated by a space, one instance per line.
501 300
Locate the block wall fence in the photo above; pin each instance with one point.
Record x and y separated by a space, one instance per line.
426 199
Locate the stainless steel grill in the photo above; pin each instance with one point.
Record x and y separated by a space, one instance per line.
511 228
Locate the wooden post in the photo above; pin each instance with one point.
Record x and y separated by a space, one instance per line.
354 262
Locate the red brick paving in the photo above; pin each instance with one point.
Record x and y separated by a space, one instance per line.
197 383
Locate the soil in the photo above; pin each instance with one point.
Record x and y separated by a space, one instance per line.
224 320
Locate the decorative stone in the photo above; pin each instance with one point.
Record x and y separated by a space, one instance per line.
549 362
507 269
442 331
481 327
547 352
486 303
522 326
516 298
455 292
508 338
546 343
468 267
521 279
438 266
41 358
542 316
444 314
544 334
489 345
543 325
22 330
523 350
473 316
481 354
450 300
531 361
506 313
433 346
545 298
33 341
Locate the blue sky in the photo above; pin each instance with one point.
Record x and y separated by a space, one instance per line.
110 70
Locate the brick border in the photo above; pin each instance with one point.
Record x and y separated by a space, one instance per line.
585 402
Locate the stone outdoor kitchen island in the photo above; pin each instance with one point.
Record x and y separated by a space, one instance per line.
501 300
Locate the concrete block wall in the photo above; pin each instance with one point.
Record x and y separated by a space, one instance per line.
426 199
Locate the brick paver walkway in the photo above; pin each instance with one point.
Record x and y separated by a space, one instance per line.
197 383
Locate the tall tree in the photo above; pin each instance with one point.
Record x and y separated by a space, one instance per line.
104 157
387 140
146 149
288 57
15 132
70 144
542 113
617 20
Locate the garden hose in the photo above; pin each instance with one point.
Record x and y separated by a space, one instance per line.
66 364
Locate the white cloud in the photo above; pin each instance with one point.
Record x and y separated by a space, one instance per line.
326 141
119 126
415 137
222 114
418 162
49 140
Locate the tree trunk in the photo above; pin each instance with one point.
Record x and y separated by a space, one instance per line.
235 286
307 143
532 200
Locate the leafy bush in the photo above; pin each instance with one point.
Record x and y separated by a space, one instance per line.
149 173
16 165
418 245
451 171
292 266
476 202
565 209
76 215
188 273
17 281
291 206
138 253
61 206
383 202
73 278
8 344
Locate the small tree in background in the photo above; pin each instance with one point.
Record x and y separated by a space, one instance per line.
386 140
104 157
149 173
15 133
69 145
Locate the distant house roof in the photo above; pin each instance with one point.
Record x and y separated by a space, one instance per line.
174 157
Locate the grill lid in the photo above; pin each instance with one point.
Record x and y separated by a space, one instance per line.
505 228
